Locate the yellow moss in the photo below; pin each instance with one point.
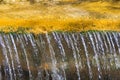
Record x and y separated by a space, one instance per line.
47 25
41 19
101 7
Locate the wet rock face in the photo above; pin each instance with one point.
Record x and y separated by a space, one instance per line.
60 56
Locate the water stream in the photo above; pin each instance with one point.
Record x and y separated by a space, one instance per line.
60 56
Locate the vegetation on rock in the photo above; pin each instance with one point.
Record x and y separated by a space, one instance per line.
41 18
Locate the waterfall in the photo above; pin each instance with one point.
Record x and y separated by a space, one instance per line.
60 56
87 57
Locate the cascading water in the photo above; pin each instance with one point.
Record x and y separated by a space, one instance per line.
60 56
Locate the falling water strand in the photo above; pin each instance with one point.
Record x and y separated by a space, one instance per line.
11 56
1 73
27 61
19 69
36 51
41 57
107 50
66 39
100 44
119 38
25 37
62 51
77 50
118 46
99 52
10 53
104 40
75 56
86 54
96 55
116 40
108 42
32 40
114 51
55 75
7 63
42 46
57 38
111 50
